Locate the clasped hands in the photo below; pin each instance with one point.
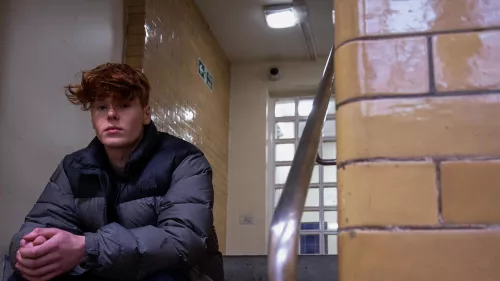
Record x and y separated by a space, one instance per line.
46 253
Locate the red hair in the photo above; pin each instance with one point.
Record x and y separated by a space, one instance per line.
111 79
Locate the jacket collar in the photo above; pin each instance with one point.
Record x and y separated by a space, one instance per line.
93 157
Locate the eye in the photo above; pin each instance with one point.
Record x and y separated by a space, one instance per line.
102 107
125 105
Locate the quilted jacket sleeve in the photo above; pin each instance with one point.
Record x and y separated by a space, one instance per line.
178 240
54 208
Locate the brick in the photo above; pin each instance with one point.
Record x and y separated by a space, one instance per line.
387 193
136 29
441 255
135 50
368 18
470 192
135 62
473 66
135 40
416 127
129 3
136 19
381 67
141 9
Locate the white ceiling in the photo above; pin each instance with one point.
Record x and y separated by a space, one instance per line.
241 29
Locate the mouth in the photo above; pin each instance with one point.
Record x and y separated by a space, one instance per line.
113 129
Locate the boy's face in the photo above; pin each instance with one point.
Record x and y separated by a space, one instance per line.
119 123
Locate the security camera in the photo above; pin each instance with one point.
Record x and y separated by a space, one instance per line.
274 73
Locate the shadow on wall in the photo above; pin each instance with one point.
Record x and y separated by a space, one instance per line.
4 8
45 45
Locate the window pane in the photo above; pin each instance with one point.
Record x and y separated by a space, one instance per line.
315 175
280 174
277 196
284 108
329 128
310 221
331 220
330 196
309 244
331 107
284 151
329 150
330 173
302 124
284 130
312 199
305 107
331 244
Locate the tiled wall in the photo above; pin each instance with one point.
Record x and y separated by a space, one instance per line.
166 38
418 91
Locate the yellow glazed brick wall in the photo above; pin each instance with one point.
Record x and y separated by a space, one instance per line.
418 131
166 38
388 194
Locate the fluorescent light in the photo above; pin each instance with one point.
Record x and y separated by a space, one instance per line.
281 18
333 16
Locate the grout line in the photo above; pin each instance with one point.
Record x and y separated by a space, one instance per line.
470 158
415 96
430 65
416 34
439 192
421 227
342 165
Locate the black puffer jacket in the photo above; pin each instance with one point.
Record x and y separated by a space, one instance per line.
156 217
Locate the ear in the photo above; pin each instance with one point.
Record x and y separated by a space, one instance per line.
147 115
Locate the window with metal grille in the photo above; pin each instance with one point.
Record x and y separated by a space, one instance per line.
287 118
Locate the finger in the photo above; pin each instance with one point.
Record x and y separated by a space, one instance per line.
18 256
49 276
39 240
48 232
48 259
32 235
40 273
22 243
38 251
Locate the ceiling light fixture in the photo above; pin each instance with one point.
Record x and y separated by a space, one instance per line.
280 17
333 16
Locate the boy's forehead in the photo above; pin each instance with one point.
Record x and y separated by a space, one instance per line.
112 98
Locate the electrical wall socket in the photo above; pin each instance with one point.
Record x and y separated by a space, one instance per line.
245 220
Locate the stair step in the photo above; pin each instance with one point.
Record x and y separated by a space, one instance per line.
254 268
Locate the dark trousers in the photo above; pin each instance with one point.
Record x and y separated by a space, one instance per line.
161 276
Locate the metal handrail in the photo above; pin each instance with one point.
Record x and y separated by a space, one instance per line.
284 231
325 162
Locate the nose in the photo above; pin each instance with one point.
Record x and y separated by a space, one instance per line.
112 114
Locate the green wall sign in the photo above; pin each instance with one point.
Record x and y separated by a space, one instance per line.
205 74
